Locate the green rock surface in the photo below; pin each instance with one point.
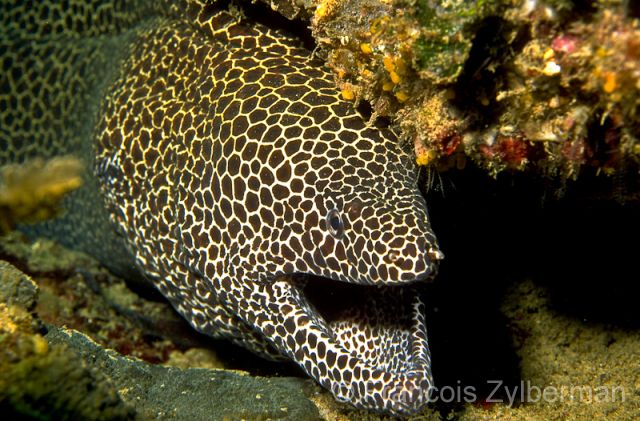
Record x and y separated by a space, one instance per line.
16 288
448 31
163 392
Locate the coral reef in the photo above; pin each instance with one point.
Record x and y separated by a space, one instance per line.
547 87
33 191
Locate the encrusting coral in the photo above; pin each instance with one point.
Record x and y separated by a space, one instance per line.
33 191
547 87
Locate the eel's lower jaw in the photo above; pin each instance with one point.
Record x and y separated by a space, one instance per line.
382 333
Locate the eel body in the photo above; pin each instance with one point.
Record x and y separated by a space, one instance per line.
232 173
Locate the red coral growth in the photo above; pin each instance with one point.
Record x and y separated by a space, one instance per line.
614 155
450 143
575 151
564 44
633 49
513 150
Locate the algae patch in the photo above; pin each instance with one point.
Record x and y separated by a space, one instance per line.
33 191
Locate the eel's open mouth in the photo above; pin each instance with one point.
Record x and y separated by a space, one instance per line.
381 359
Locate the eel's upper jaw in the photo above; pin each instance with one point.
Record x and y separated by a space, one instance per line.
383 333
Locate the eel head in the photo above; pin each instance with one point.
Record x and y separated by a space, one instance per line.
346 303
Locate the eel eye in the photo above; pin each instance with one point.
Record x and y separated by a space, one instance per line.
334 222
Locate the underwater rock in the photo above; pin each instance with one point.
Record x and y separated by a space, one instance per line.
43 381
16 288
194 393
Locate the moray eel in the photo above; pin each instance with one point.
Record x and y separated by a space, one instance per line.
229 171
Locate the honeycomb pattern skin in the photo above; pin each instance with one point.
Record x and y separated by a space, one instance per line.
229 165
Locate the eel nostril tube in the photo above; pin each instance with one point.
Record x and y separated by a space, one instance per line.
435 254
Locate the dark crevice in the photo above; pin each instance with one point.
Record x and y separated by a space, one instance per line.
365 110
496 233
577 9
485 71
383 122
633 9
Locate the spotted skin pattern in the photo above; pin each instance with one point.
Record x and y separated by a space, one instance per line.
232 168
